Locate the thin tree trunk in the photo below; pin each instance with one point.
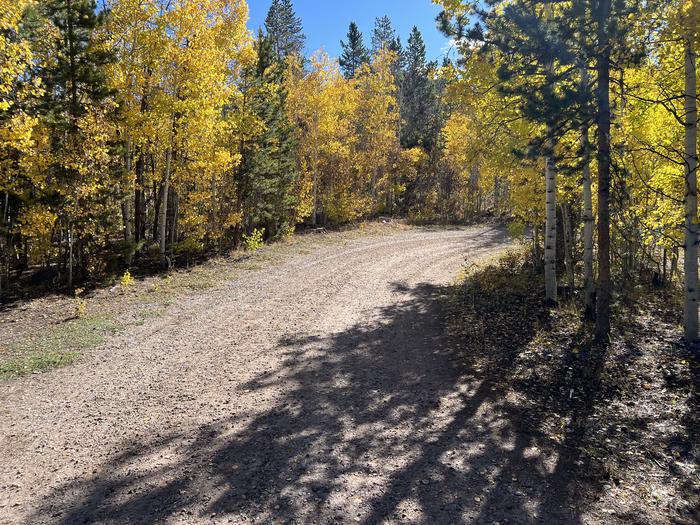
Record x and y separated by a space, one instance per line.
128 219
536 245
588 218
315 174
550 240
603 99
690 264
140 200
70 256
664 267
173 231
163 211
568 246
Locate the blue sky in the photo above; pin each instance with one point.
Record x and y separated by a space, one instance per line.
326 21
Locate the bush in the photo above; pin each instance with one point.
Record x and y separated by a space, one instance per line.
254 241
516 229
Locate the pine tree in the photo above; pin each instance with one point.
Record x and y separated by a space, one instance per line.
419 99
75 75
269 170
383 35
354 52
74 103
284 29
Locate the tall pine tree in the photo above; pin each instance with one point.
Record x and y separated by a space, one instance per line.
269 169
75 96
74 76
354 52
284 29
383 35
419 106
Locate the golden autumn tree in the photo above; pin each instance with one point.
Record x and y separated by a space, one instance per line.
177 70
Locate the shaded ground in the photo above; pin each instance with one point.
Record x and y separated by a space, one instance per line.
621 423
325 389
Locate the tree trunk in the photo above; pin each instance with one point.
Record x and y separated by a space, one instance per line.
314 218
568 246
140 200
603 100
126 207
588 218
536 245
163 211
550 239
70 256
173 231
690 264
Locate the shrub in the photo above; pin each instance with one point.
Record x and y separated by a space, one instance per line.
254 241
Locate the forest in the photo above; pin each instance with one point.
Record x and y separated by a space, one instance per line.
136 130
288 287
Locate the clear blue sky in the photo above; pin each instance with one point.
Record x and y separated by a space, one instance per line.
326 21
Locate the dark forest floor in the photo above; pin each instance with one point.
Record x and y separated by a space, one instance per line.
623 421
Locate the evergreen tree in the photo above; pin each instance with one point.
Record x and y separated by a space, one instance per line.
354 52
383 35
75 95
269 167
74 76
419 104
284 29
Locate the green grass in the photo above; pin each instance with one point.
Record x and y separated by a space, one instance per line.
16 367
59 346
77 334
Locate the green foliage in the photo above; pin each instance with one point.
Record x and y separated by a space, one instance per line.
419 104
284 29
384 36
516 229
354 52
269 169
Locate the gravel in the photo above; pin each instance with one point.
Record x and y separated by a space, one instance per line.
318 390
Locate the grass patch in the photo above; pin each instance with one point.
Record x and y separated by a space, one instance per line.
58 346
16 367
77 334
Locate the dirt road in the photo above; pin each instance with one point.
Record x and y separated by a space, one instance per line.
319 390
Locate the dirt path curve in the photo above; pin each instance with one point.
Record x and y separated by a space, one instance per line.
318 390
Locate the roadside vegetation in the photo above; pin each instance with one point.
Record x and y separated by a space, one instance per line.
623 421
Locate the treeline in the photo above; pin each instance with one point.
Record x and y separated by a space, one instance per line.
143 130
585 113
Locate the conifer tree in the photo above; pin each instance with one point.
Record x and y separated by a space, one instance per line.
75 75
284 29
74 103
354 52
383 36
419 100
268 171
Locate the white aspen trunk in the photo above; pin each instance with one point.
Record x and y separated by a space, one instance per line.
588 217
568 246
690 268
163 211
550 237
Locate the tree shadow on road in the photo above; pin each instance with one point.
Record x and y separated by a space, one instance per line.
391 420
